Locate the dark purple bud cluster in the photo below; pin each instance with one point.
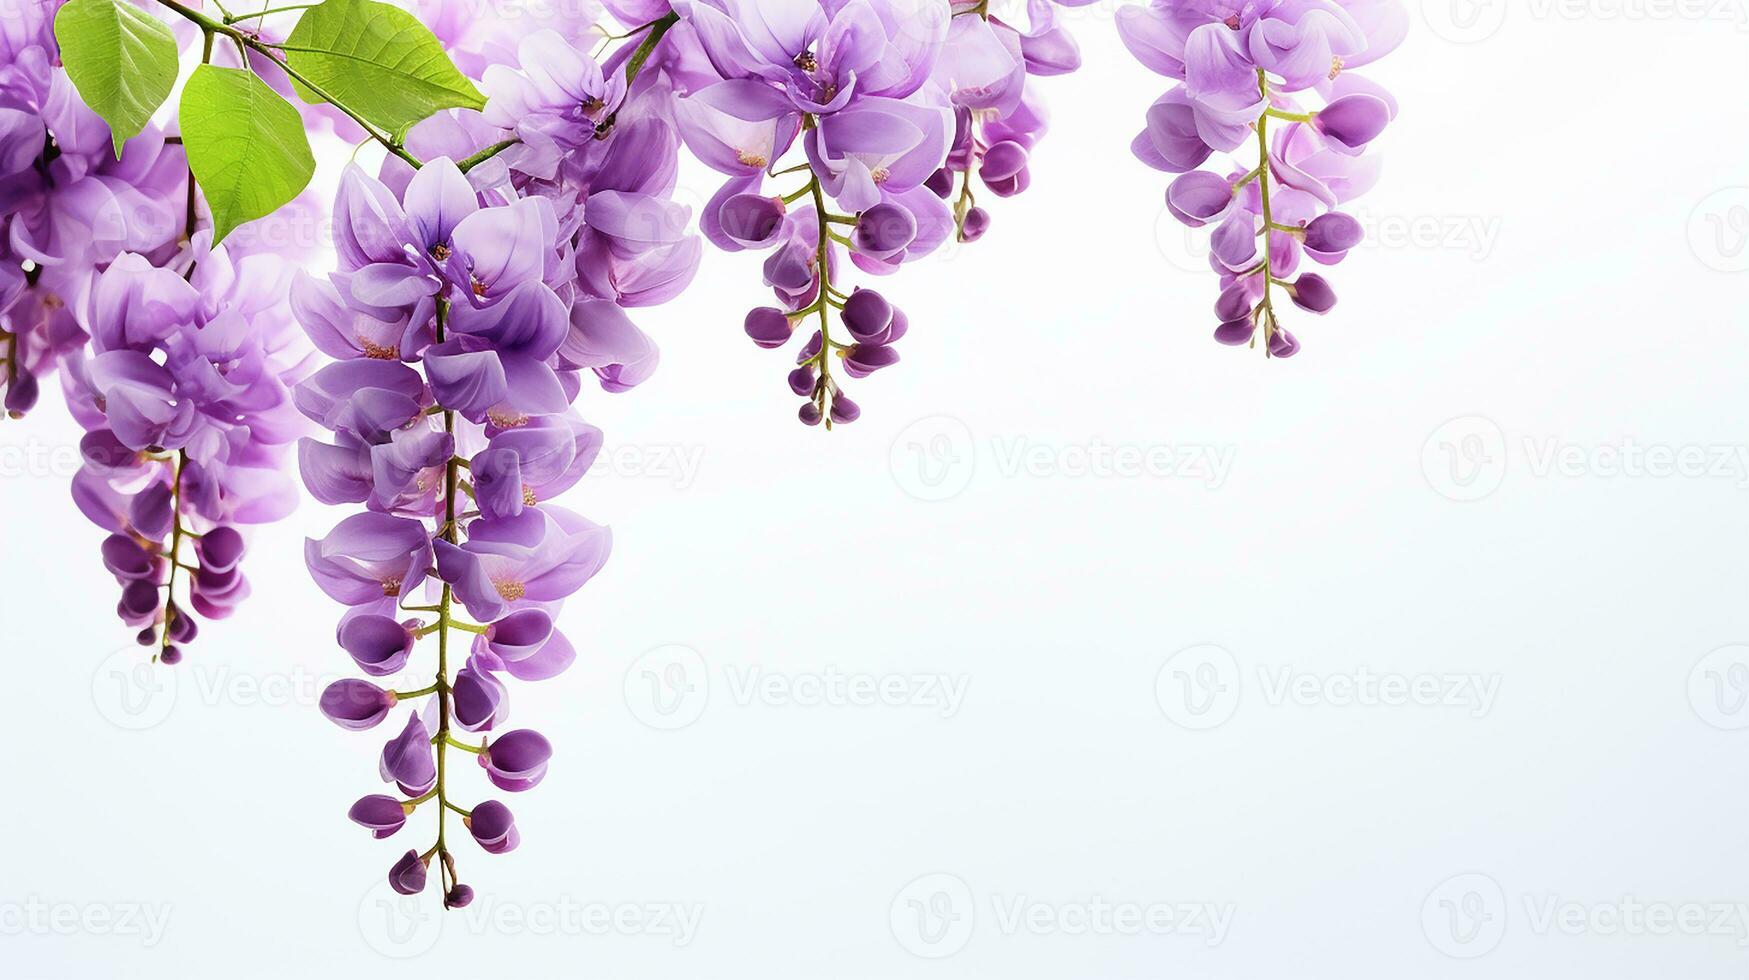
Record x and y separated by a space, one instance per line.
998 151
874 325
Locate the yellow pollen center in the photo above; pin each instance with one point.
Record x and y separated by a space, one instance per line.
505 419
391 586
378 352
510 591
750 159
528 497
1335 67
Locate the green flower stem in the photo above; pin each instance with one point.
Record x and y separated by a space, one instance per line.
657 29
824 269
450 533
465 747
237 18
175 551
488 153
1267 307
963 206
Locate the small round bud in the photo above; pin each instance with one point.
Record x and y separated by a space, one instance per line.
1235 333
1283 344
22 394
1199 198
867 315
1002 161
183 627
1311 292
769 327
884 230
138 598
751 220
977 222
845 411
1353 121
1330 236
862 360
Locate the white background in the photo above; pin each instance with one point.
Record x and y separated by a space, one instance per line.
1558 263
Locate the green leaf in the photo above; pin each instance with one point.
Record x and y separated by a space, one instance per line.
245 144
377 60
120 58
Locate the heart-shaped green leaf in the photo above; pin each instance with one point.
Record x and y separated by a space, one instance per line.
245 144
379 61
120 58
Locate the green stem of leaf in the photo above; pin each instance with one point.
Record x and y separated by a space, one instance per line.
238 18
486 154
266 50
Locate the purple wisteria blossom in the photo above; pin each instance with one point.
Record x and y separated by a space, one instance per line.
177 358
989 70
465 314
875 107
68 206
1242 69
184 393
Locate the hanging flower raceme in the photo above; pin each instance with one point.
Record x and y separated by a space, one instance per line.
68 205
877 109
185 399
1243 68
462 330
989 68
848 90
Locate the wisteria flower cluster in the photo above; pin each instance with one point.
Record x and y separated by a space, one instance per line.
888 104
69 205
460 331
176 355
184 395
465 313
484 273
1243 67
